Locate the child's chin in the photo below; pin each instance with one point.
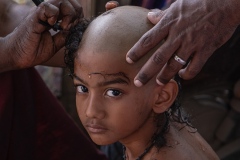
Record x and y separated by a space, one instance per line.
101 142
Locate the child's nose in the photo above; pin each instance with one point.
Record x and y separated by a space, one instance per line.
95 109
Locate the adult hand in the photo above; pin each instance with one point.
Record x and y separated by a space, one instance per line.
190 29
31 43
111 4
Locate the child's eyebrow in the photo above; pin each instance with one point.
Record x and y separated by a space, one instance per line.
78 78
114 81
119 78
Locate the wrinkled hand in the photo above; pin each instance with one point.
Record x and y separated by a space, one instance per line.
192 30
31 42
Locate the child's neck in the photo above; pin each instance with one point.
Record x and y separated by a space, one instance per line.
140 143
130 156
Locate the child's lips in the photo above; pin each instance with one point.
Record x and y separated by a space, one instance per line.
95 128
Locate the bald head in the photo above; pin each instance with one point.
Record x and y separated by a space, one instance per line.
112 33
116 30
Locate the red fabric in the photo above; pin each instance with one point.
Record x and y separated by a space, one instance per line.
34 126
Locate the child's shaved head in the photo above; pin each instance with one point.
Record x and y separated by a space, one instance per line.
115 31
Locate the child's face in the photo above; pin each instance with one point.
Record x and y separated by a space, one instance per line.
110 107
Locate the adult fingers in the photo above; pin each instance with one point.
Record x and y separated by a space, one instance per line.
155 15
155 62
201 33
195 65
78 11
78 8
69 11
171 68
46 13
179 58
111 4
149 40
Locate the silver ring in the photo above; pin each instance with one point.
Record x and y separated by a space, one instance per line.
179 60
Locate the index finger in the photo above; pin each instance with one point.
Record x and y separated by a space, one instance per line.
149 40
155 63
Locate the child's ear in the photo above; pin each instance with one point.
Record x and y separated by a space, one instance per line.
165 96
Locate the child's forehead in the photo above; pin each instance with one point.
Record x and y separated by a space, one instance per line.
101 76
109 37
103 62
117 29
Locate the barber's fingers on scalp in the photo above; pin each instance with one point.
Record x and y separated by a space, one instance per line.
155 63
170 69
149 40
188 59
182 57
111 4
70 12
199 38
155 15
163 61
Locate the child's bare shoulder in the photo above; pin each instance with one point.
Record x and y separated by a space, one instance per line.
185 143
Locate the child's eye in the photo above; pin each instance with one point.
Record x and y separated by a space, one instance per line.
81 89
113 93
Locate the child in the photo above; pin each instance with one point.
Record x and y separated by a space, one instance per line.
145 120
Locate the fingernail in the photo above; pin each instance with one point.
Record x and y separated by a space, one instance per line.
138 83
129 60
180 73
159 83
151 14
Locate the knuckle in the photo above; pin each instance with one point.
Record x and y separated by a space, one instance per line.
143 77
44 4
147 41
192 72
173 67
222 38
159 13
79 11
167 20
163 79
133 55
158 58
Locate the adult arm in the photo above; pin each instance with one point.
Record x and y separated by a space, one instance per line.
31 43
190 29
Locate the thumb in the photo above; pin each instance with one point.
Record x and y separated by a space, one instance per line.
155 15
111 4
